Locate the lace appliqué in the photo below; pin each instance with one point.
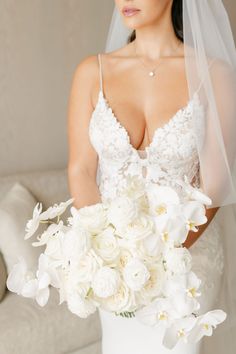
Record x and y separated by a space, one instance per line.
171 155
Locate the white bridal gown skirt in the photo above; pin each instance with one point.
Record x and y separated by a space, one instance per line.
121 335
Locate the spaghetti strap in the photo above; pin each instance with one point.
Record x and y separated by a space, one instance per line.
100 72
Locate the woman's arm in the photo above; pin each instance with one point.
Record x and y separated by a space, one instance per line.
82 159
193 236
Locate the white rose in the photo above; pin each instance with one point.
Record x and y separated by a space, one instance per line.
124 257
123 300
105 282
178 260
76 243
140 228
105 244
93 218
122 211
135 274
87 266
153 286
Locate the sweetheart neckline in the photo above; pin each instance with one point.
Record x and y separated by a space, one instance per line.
156 131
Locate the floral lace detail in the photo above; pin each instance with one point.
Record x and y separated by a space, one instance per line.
208 264
171 154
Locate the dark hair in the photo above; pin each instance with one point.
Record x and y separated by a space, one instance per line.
177 20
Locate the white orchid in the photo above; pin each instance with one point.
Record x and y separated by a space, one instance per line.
18 276
172 230
178 331
161 199
193 213
205 324
158 312
33 224
194 193
24 283
47 234
38 288
183 304
38 216
56 210
188 283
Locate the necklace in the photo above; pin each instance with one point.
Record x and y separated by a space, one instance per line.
152 73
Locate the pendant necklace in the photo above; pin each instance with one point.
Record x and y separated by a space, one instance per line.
152 73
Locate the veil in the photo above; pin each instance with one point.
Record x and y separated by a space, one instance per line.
210 64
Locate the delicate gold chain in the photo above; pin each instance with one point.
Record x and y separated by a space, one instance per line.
152 72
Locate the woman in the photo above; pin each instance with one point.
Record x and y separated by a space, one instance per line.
132 110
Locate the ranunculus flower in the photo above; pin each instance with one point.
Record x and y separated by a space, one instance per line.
87 266
178 260
135 274
80 306
122 211
106 282
106 245
92 217
138 229
122 300
75 244
153 286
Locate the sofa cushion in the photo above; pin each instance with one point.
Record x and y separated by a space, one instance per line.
16 208
3 277
26 327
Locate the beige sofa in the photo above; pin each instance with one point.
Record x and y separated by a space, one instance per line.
27 328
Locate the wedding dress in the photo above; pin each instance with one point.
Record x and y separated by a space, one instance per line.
171 154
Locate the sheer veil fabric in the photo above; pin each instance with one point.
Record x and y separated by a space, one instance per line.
210 60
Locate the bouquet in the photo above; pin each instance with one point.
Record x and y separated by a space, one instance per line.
125 256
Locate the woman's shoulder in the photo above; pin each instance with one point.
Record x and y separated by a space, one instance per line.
87 64
86 71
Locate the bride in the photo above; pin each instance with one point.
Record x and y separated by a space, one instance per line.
161 101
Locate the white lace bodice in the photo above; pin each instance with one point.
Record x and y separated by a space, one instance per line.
171 154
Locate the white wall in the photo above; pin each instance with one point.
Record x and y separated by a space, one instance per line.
41 42
231 9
